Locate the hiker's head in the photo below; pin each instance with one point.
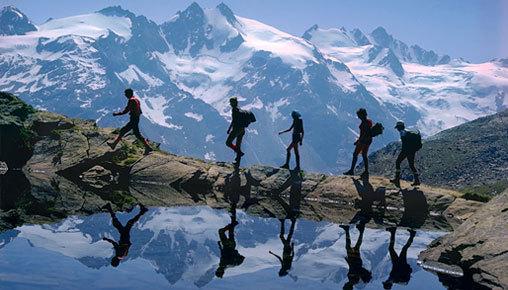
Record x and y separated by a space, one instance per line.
219 272
129 93
387 284
233 102
115 261
295 115
361 113
400 126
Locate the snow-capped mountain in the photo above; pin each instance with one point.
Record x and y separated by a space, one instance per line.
185 69
430 91
180 244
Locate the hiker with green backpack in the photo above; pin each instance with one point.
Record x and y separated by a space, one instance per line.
240 119
362 144
411 143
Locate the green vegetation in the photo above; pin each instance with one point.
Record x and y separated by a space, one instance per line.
484 192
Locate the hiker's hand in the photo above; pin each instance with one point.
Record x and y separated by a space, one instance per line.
229 131
301 142
115 114
280 133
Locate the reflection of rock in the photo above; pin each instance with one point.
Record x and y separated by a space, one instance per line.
97 177
479 245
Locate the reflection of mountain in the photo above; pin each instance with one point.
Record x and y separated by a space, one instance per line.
181 245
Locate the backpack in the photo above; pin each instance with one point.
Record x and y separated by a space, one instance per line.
414 140
376 130
246 117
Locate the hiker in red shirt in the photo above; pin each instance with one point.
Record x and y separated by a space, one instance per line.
134 109
362 144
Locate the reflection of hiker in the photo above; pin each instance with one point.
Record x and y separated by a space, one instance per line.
401 271
288 251
123 245
362 144
297 128
229 256
411 143
134 109
354 259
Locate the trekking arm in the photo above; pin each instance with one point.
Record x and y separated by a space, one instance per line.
290 128
125 111
230 127
276 256
110 241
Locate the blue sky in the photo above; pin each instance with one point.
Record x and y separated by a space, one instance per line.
474 29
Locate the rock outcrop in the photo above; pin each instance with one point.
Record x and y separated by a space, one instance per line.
479 246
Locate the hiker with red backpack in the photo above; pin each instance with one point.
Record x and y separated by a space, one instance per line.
297 138
362 144
134 109
411 143
240 119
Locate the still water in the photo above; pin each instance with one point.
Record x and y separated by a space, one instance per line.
201 247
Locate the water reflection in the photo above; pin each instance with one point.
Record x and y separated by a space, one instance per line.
354 259
179 246
401 270
124 243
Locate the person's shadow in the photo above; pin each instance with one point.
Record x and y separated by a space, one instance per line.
416 209
368 197
233 188
401 270
229 256
124 243
356 270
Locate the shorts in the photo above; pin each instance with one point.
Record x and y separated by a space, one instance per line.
361 148
296 138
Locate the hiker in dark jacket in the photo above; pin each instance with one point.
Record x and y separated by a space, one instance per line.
134 109
236 129
362 144
408 151
124 243
401 270
297 137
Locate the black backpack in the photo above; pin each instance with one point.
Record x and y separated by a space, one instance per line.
376 130
246 117
414 140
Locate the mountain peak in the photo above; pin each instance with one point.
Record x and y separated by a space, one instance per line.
115 11
382 37
14 22
308 33
226 12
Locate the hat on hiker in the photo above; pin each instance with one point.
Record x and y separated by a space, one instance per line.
400 125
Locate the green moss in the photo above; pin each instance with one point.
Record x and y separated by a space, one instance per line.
121 198
484 192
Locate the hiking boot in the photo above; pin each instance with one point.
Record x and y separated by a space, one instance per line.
112 145
240 153
297 168
391 229
107 207
349 172
285 166
365 175
234 223
416 181
396 182
344 227
142 208
148 150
